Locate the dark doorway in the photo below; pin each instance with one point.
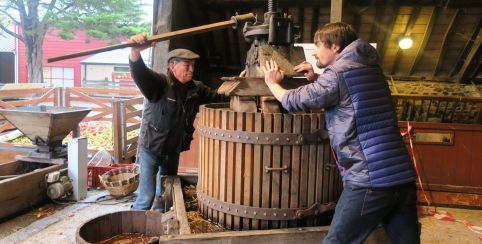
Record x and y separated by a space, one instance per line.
7 67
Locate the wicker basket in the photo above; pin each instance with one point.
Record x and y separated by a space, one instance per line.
121 181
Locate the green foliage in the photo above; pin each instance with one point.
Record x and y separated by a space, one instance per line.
108 19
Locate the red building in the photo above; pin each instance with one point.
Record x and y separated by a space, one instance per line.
61 73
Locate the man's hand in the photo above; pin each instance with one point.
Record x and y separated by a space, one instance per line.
272 74
136 50
272 77
306 68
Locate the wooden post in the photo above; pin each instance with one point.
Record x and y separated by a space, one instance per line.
336 13
116 130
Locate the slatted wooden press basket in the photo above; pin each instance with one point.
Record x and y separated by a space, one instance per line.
265 170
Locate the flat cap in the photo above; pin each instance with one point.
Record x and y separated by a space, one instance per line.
182 54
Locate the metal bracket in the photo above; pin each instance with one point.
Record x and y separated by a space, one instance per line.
261 138
263 213
284 169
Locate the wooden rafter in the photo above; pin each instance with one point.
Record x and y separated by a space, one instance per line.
408 32
463 57
444 42
314 22
474 55
426 36
301 21
376 25
388 29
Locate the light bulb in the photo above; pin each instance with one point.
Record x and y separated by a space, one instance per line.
405 43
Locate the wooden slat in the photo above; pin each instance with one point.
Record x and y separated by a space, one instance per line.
248 170
305 161
134 101
295 168
179 207
286 160
22 92
238 175
202 171
230 168
133 127
319 164
257 170
215 161
106 91
87 98
312 168
265 198
276 175
210 162
133 114
222 171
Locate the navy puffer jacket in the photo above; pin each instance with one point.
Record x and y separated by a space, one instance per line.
360 118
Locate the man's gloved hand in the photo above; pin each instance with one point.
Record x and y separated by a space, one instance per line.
306 68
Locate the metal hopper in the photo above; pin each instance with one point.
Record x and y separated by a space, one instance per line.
45 126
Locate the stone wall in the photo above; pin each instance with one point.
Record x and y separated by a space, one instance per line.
437 110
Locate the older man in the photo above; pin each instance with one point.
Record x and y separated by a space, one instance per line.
172 102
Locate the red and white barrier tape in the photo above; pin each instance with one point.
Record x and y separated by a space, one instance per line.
440 215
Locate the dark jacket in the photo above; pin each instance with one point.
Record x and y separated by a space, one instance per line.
360 118
170 108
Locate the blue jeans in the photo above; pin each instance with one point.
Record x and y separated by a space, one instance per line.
360 210
152 167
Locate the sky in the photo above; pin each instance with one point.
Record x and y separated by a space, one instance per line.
148 9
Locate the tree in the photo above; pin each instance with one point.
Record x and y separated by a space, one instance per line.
107 19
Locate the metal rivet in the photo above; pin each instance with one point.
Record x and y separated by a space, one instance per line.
222 134
274 214
215 133
229 209
267 138
257 138
277 139
245 211
287 139
284 214
236 210
247 138
238 137
229 136
264 214
254 213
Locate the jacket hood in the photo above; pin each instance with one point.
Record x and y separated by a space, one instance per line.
360 52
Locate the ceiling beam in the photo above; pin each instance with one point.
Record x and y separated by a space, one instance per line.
376 24
426 36
336 11
388 29
301 22
408 31
444 43
468 46
314 22
472 58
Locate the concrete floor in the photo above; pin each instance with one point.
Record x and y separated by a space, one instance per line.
61 224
